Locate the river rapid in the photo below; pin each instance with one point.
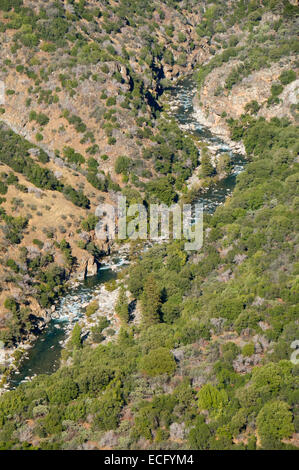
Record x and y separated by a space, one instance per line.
44 355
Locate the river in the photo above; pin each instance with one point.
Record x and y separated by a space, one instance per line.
182 109
44 356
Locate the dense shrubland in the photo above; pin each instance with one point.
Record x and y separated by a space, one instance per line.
208 364
14 153
91 35
253 236
264 44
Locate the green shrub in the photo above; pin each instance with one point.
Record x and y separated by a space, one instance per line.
209 398
122 164
12 265
91 308
248 349
274 423
3 188
287 76
158 361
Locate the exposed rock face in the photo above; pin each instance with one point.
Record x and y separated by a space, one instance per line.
218 126
213 108
243 364
2 354
261 343
177 431
109 439
288 97
88 267
225 276
217 324
92 267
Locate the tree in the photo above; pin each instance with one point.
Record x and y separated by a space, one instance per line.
158 361
122 164
248 349
287 76
72 156
199 435
162 189
209 398
171 309
206 167
151 301
90 222
274 422
224 164
7 5
63 391
76 336
122 307
136 280
12 265
110 405
168 57
252 107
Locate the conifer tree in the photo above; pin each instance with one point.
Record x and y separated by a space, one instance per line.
151 301
206 167
76 336
122 307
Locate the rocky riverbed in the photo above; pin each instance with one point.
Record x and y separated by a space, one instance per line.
41 354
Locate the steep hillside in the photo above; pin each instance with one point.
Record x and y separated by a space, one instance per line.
203 356
209 364
86 107
254 69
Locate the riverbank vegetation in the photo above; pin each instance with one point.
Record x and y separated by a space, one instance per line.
216 328
202 357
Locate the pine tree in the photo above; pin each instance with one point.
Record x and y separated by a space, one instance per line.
151 301
224 164
122 307
76 336
206 167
